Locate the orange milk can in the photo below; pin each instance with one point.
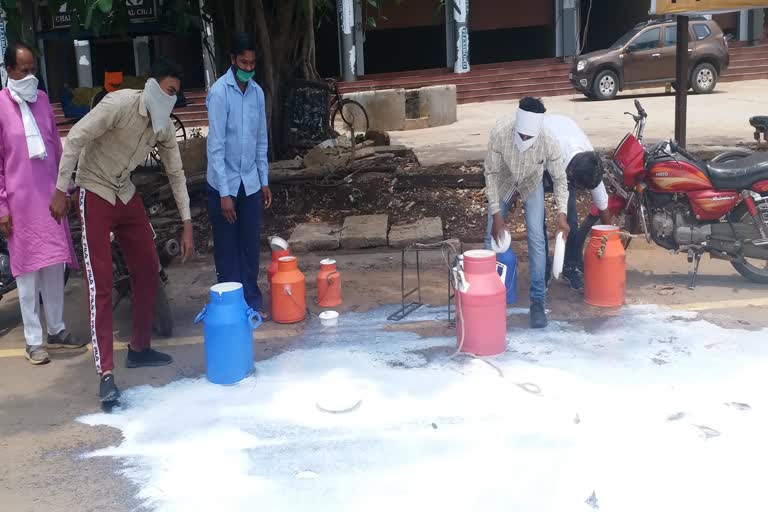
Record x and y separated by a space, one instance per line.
328 284
288 292
605 268
272 269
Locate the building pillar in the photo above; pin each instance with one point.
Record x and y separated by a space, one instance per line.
83 62
450 36
43 67
570 28
346 12
142 60
209 51
359 38
461 35
743 28
3 46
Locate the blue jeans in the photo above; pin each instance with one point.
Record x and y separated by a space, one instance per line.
236 247
572 244
537 241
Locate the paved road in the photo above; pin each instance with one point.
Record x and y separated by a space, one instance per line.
719 119
41 444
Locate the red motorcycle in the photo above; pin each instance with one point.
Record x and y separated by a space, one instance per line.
683 204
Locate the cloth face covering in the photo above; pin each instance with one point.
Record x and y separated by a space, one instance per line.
23 92
527 123
159 105
244 76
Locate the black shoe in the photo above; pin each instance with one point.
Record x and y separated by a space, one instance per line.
574 279
146 358
538 316
108 391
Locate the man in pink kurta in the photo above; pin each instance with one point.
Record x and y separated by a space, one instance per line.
39 247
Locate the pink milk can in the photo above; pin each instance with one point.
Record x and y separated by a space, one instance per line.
481 318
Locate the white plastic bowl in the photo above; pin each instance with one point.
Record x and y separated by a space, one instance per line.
503 246
329 318
559 259
278 244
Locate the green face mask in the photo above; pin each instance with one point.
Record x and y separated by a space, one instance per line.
244 76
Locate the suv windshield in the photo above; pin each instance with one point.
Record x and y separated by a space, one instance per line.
623 40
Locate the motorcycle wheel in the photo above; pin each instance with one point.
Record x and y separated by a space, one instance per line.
754 273
163 322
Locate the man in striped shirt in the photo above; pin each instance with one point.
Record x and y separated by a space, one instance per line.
519 150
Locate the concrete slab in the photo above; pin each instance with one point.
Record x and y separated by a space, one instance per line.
315 236
362 231
385 108
438 103
425 231
718 119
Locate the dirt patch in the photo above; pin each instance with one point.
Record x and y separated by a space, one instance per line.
453 192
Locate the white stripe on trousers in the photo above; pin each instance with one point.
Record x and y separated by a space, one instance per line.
89 276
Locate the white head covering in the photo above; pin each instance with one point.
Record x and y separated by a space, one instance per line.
159 105
24 91
527 123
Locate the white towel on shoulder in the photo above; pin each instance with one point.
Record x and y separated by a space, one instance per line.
23 92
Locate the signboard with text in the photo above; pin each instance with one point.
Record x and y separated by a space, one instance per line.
699 6
139 11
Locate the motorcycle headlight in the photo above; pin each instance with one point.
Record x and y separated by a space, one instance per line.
582 64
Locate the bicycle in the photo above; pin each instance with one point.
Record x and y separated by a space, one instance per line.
344 113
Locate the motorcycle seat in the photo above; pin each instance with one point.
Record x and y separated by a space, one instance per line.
739 174
759 123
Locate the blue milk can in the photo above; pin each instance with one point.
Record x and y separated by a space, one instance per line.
509 259
229 325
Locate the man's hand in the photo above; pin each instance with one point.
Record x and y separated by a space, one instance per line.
562 225
498 227
187 242
228 209
6 226
59 206
267 197
605 217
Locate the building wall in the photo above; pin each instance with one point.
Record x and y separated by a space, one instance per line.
610 19
411 35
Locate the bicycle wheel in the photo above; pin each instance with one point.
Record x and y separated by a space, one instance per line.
348 117
181 132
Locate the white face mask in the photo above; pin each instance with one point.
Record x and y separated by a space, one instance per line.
159 105
527 123
26 88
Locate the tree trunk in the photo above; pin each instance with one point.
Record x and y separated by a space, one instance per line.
284 31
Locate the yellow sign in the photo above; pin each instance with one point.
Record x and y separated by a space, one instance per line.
686 6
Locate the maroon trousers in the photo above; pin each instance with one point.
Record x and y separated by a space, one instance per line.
131 228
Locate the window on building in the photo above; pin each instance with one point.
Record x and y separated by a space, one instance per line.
701 30
648 40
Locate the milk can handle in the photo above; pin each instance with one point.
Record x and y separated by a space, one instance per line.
201 315
252 313
503 275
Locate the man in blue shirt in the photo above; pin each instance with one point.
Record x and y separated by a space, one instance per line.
238 170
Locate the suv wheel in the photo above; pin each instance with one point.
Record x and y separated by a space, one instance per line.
606 85
704 78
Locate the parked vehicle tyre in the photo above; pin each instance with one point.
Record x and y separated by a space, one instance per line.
606 85
704 78
163 322
749 269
